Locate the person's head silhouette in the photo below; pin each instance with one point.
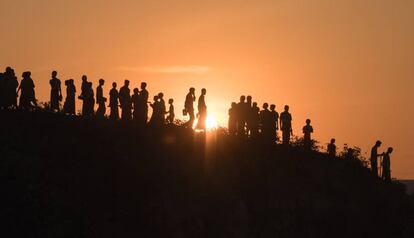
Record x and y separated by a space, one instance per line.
333 141
54 74
249 99
192 90
113 85
155 98
378 143
308 121
101 82
242 98
143 85
160 95
272 107
136 91
84 78
233 105
255 104
126 82
203 91
390 150
265 106
170 101
286 108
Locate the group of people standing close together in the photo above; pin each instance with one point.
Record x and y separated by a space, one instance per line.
133 106
246 119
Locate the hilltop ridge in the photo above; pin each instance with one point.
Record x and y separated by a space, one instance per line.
78 177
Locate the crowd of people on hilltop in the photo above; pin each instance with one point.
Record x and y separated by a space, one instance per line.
246 119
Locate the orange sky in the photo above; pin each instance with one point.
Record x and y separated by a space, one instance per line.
347 64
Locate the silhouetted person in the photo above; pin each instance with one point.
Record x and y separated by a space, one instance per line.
27 96
248 115
89 100
266 123
286 125
2 91
113 102
274 115
69 105
84 89
307 131
202 110
162 109
10 86
154 120
241 116
255 120
143 108
55 92
125 101
136 104
100 100
386 165
189 107
332 149
232 119
374 158
171 114
84 85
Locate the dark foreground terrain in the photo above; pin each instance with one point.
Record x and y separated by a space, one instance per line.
70 177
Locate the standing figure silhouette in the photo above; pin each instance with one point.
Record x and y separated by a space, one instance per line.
143 108
100 100
125 100
241 116
27 96
171 114
2 91
248 115
69 105
332 149
202 110
286 125
55 92
232 119
307 131
136 104
10 86
189 107
154 120
84 89
255 120
386 165
89 100
274 122
162 109
113 103
266 123
374 158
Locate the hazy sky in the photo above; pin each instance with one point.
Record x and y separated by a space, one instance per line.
347 65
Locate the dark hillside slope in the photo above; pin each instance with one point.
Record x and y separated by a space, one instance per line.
71 177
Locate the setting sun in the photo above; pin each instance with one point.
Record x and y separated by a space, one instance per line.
211 122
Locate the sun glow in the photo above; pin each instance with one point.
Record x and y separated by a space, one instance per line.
211 122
